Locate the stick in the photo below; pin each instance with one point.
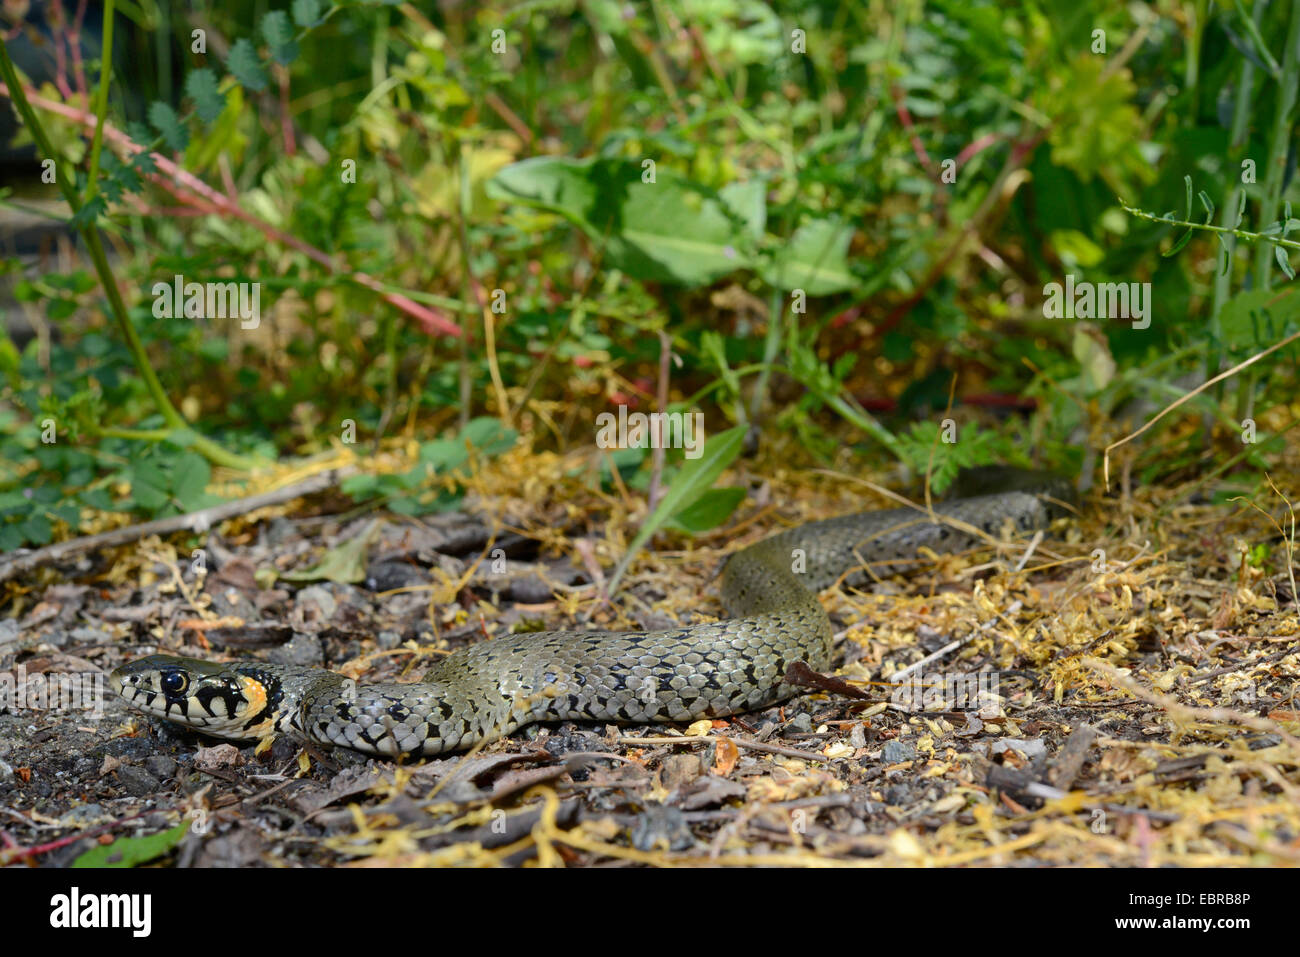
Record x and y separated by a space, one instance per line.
739 742
19 564
953 645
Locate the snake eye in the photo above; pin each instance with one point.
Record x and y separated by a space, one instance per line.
174 682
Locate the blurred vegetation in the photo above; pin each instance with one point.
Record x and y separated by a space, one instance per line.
841 216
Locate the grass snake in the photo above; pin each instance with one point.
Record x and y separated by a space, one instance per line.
491 688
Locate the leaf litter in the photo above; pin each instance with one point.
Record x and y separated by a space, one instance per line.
1137 704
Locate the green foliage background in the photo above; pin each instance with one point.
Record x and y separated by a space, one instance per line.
501 154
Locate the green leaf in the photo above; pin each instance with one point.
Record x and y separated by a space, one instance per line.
245 67
13 499
342 563
58 309
1257 318
90 211
360 487
816 259
488 435
444 454
190 478
671 230
1279 253
209 101
748 202
691 482
1177 247
306 13
37 529
708 511
11 537
149 486
278 32
167 123
130 851
97 498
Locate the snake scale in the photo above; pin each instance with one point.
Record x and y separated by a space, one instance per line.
489 689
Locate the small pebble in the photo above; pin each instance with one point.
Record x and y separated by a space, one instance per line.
896 752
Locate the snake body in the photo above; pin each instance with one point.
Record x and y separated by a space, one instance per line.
491 688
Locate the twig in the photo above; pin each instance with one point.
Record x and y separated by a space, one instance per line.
1029 551
18 564
739 742
1195 392
1014 607
1178 710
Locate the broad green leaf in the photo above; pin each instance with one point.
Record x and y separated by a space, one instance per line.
748 202
11 537
306 13
360 487
693 479
149 486
708 511
13 499
342 563
488 435
37 529
444 454
130 851
671 230
816 259
190 477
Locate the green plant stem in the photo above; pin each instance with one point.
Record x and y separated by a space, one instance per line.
1241 116
1278 148
775 329
135 435
1206 227
212 451
101 100
1252 31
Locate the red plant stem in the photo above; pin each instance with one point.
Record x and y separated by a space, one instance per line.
16 853
905 117
58 32
193 192
286 119
74 43
984 142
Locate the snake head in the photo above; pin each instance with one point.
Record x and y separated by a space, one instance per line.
218 699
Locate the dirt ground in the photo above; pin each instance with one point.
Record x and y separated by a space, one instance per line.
1125 693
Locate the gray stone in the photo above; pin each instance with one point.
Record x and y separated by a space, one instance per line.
136 782
800 722
160 766
896 752
301 650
